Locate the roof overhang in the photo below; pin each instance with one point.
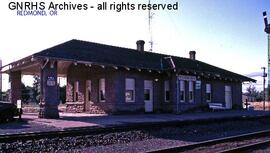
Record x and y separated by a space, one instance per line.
32 66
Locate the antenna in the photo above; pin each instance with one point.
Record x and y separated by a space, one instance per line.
150 17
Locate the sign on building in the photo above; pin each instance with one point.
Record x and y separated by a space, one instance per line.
198 84
51 81
186 77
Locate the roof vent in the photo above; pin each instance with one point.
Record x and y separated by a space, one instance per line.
140 45
192 55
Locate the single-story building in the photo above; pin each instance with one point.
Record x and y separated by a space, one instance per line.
108 79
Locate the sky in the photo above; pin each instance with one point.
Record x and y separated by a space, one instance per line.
225 33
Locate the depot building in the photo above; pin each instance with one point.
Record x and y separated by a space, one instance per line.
108 79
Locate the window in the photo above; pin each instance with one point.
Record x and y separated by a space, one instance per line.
102 90
167 90
191 91
147 94
182 91
76 91
130 90
88 90
148 90
208 92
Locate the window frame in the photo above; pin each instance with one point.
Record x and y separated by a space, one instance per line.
208 91
102 90
182 91
166 89
130 88
191 91
88 90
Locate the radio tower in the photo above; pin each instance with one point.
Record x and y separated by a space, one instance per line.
150 17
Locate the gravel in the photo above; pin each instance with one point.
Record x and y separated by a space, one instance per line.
138 140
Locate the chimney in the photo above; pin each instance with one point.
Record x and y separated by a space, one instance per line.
140 45
192 55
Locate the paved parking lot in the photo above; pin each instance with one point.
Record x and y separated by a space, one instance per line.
31 122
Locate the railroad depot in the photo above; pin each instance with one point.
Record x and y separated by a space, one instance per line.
108 79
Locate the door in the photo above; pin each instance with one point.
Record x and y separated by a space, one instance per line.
228 97
148 95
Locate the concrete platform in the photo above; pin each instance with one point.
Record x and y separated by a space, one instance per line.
31 122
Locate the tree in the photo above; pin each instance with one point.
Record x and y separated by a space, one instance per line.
25 93
252 91
36 88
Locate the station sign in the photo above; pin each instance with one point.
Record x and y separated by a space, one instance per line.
51 81
186 77
198 84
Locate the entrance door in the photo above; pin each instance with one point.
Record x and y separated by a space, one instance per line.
228 97
148 95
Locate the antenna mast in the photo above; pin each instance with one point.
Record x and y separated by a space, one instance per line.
150 17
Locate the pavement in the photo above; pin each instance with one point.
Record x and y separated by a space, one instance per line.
31 122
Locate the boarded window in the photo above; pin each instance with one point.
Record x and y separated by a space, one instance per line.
130 90
102 90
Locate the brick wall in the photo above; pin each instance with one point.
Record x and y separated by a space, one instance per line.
83 73
16 86
115 91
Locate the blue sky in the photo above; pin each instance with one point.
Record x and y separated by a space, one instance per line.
226 33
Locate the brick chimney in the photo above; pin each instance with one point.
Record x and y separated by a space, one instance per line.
140 45
192 55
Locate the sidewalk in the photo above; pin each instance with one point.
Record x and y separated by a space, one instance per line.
69 120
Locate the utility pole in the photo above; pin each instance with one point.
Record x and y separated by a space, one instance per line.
267 30
264 76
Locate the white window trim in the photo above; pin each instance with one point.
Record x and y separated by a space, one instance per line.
208 90
166 88
191 89
130 88
182 83
103 89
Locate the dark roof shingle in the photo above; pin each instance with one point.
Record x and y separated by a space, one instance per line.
111 55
